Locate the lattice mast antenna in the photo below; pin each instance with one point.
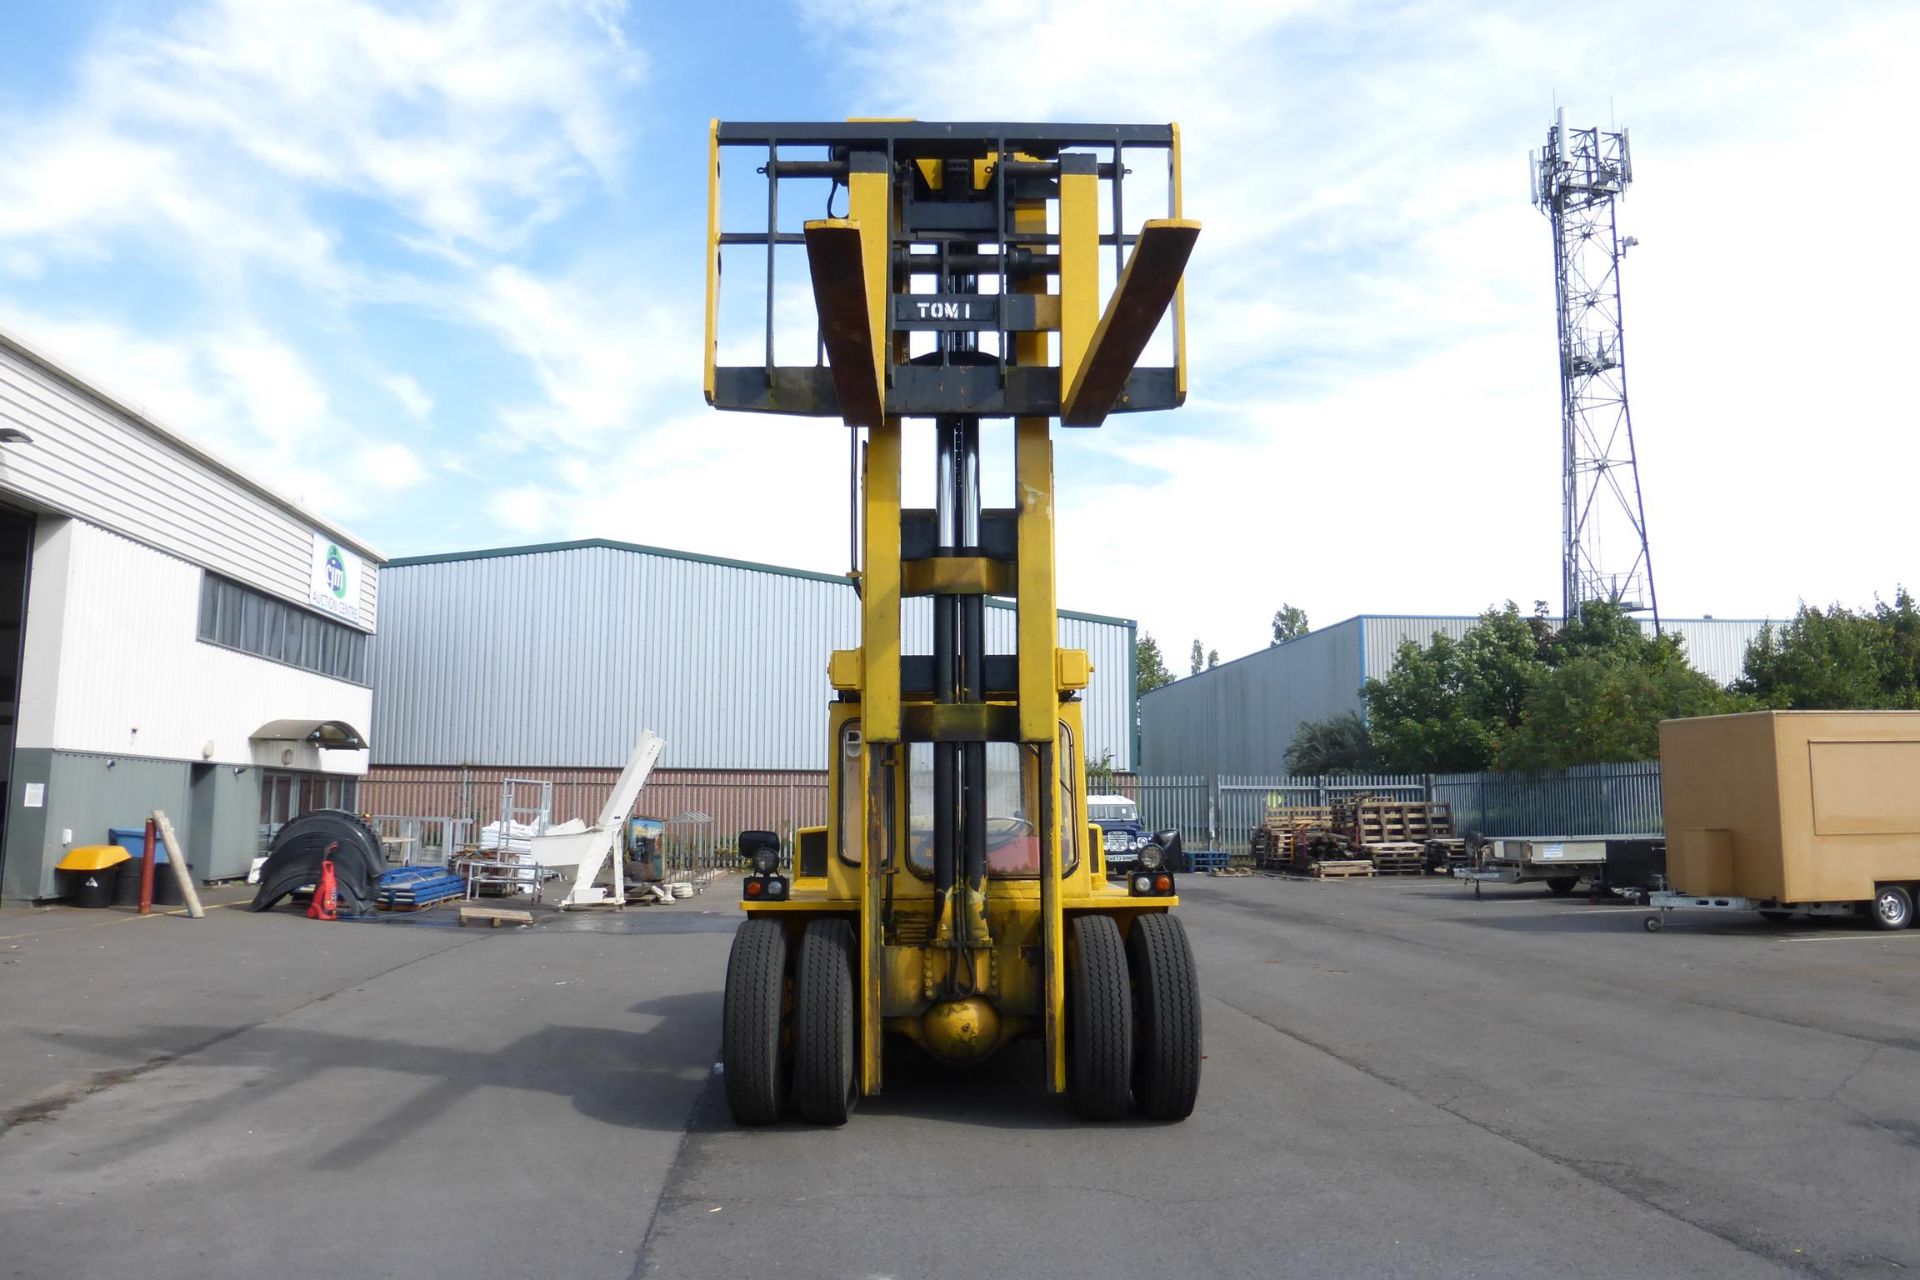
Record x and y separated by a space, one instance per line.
1576 181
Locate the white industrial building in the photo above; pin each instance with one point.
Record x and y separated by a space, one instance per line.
546 662
174 635
1241 716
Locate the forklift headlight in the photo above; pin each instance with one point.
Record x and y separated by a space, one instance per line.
1151 857
766 862
776 888
1143 884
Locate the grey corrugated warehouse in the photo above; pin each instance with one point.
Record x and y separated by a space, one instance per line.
1240 717
556 656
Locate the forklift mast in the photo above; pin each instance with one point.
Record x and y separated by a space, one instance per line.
932 275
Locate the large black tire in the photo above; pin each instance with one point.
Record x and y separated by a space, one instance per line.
1561 886
753 1038
1166 1017
1099 1020
1892 907
825 1025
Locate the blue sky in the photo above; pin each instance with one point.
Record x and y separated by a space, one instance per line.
436 268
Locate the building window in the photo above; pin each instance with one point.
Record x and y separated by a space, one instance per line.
237 617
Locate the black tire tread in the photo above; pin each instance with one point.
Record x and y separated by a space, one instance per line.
750 1048
1561 886
825 1024
1100 1020
1166 1064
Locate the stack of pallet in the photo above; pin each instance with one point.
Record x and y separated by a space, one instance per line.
1277 843
1376 821
1305 840
1394 834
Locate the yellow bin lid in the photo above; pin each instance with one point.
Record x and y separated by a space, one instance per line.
94 857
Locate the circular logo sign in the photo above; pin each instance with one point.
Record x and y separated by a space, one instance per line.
336 572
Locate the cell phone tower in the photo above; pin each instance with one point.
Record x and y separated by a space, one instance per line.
1577 179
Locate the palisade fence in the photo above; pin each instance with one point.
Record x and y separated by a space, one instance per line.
1223 810
438 809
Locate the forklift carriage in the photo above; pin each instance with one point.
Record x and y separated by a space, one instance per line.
957 895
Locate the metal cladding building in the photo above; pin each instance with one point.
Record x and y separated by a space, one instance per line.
1240 717
173 635
546 662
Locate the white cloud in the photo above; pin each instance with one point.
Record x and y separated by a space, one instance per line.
412 396
602 349
239 392
324 156
1374 418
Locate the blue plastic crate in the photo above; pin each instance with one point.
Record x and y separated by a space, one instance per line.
1207 859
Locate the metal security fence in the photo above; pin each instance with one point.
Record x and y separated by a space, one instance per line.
1223 810
704 810
432 810
1594 799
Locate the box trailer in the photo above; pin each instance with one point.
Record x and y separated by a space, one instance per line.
1793 811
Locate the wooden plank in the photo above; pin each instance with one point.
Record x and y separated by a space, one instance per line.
177 859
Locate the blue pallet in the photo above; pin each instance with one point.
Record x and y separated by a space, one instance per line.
413 887
1207 859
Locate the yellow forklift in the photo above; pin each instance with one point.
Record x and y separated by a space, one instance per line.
957 895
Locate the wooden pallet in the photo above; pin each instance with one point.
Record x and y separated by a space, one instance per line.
1397 858
493 916
1349 869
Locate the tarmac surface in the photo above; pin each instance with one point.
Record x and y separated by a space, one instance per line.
1400 1081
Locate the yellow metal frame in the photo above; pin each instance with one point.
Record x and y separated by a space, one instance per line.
900 974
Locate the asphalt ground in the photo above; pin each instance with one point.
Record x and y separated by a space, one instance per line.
1400 1081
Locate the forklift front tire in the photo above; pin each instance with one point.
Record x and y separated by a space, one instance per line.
752 1036
1099 1019
1166 1018
824 1024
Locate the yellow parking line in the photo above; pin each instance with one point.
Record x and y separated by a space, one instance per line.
117 919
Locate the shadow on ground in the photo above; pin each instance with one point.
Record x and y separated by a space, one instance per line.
608 1074
1007 1091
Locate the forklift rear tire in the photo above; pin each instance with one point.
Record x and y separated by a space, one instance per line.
1562 885
1166 1018
753 1031
1099 1021
825 1037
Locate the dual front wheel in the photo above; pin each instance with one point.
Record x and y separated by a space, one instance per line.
795 1037
1133 1014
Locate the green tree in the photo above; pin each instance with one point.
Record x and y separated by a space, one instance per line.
1289 623
1338 744
1599 708
1149 668
1513 693
1213 659
1838 659
1198 657
1418 713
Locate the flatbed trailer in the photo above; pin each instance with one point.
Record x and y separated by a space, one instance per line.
1614 862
